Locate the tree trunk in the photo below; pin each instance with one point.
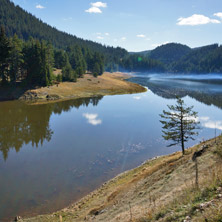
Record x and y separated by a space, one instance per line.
182 144
196 169
182 133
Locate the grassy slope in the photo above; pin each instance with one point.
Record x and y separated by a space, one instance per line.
89 86
162 189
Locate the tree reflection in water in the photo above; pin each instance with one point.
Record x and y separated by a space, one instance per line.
21 123
207 92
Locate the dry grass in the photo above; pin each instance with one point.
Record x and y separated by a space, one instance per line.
57 72
89 86
161 189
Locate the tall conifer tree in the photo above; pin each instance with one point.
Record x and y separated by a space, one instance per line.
179 124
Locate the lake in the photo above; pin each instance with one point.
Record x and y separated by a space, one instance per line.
53 154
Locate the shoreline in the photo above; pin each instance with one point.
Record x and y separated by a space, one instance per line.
135 187
88 86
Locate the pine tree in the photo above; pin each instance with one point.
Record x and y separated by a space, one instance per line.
60 59
180 124
16 59
96 69
68 73
4 56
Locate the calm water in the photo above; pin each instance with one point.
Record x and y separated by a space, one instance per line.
52 155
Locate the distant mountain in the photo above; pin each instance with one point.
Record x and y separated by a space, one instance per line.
178 58
206 59
169 53
172 57
143 53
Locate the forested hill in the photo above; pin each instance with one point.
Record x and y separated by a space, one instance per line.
30 50
170 52
206 59
17 21
178 58
76 56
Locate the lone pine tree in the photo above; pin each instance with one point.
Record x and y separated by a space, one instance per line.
179 124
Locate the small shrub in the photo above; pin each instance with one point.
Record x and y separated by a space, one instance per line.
218 150
161 214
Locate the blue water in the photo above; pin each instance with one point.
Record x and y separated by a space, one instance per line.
52 155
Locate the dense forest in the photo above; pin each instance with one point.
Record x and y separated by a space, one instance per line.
31 62
169 53
23 24
207 59
178 58
30 49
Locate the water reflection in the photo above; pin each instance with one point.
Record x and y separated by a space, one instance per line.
92 118
22 124
170 88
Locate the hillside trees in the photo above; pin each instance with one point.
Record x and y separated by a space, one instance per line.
4 56
141 63
38 61
32 62
18 21
68 73
16 59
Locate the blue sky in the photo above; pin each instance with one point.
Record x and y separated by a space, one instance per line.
135 25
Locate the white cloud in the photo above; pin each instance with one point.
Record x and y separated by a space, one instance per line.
96 7
39 6
196 20
99 4
123 38
100 37
141 36
213 125
219 14
93 10
208 123
107 34
92 119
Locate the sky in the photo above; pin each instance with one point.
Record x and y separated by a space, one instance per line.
136 25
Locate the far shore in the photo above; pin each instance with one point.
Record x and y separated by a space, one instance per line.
88 86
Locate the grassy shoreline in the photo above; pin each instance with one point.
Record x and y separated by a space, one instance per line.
88 86
161 189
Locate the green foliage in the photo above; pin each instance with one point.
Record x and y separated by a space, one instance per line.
179 124
84 55
207 59
141 63
59 78
38 61
60 58
17 21
68 73
96 70
33 61
160 215
4 56
218 150
16 59
169 52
